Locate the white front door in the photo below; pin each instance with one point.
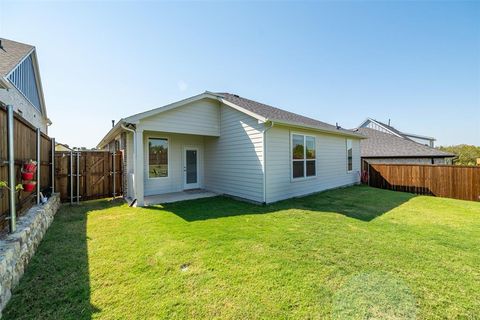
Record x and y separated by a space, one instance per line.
190 168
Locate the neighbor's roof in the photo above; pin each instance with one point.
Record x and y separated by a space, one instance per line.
11 54
381 144
398 132
278 115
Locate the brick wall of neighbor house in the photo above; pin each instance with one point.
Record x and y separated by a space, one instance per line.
24 107
409 160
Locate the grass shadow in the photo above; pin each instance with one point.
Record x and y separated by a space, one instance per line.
358 202
56 284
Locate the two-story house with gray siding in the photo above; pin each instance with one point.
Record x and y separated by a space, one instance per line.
20 84
235 146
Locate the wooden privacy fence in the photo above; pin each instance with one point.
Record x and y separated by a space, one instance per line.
25 144
86 175
459 182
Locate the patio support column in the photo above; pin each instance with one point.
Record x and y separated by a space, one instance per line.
139 167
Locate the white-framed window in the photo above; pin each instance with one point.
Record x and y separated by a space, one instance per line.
157 158
349 153
304 163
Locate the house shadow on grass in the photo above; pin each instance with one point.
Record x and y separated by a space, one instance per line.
56 284
358 202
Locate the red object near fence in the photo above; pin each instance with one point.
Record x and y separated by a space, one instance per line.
27 175
29 167
29 186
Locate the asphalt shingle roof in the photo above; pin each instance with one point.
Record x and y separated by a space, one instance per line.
11 54
276 114
381 144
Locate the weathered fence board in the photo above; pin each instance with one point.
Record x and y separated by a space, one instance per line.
95 175
25 144
459 182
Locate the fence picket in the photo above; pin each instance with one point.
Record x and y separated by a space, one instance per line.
25 141
459 182
96 178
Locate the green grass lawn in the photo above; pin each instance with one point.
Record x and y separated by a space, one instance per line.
353 253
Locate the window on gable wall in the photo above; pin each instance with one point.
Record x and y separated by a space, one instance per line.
349 155
303 156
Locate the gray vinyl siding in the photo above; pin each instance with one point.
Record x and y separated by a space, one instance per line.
331 164
200 118
234 160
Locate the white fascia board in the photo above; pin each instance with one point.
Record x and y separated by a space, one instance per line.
39 83
364 121
139 116
379 124
243 110
110 134
418 136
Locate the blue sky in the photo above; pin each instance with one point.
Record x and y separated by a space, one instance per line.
417 63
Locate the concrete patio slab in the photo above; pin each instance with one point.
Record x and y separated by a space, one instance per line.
178 196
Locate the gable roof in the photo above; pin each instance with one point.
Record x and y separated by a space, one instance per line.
395 131
12 53
280 116
384 145
257 110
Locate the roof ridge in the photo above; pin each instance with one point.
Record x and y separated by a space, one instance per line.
23 43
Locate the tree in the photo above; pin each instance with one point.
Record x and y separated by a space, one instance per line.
467 155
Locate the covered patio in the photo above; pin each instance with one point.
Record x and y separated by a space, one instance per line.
178 196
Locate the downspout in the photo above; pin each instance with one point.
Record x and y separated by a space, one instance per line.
133 158
265 162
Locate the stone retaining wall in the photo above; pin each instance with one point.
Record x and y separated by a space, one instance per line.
17 248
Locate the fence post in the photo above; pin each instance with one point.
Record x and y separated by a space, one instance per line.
78 177
71 176
53 165
38 165
114 189
11 169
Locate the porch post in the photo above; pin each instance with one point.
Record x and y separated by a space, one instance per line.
139 164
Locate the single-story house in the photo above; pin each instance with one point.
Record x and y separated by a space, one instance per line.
231 145
382 147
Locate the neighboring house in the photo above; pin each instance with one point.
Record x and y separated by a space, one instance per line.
234 146
62 147
387 128
382 147
20 84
